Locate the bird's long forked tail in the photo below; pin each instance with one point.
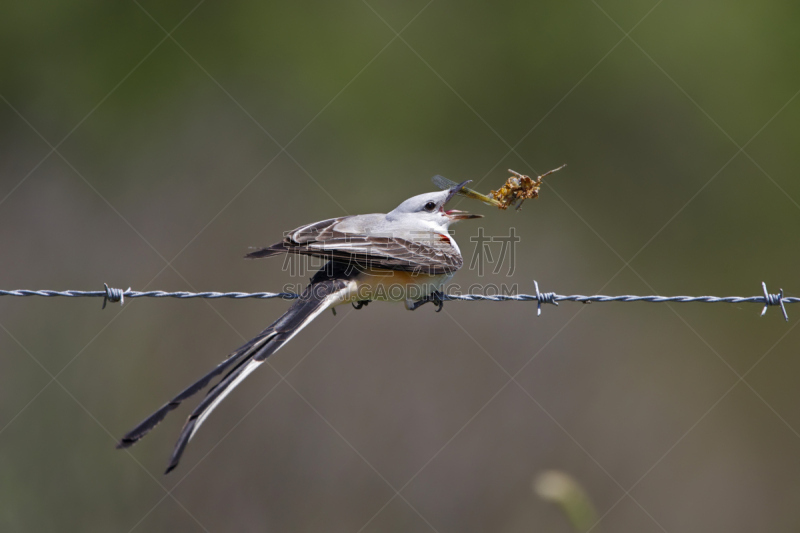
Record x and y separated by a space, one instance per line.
322 293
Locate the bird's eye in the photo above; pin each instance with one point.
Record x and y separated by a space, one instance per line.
430 206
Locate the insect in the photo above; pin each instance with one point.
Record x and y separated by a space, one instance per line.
514 191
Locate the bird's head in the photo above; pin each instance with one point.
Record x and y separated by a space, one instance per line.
430 207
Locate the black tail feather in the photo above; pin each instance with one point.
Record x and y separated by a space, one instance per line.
191 423
241 362
146 425
311 303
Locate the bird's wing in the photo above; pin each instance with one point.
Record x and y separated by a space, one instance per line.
324 291
427 252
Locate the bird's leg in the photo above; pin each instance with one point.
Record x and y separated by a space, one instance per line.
435 297
361 303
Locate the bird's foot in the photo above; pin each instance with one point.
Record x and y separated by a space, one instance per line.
361 303
435 297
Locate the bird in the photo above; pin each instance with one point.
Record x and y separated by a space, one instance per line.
406 255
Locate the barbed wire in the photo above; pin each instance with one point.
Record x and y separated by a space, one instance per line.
110 294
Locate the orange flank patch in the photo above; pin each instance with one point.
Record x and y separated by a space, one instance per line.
394 285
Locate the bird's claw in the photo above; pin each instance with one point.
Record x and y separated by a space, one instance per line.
437 301
435 297
359 304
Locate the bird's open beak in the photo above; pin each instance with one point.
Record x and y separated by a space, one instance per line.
455 214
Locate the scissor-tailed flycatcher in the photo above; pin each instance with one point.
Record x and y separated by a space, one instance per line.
405 255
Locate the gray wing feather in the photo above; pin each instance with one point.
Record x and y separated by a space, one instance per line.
435 255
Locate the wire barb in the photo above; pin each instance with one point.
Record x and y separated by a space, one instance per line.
543 298
773 299
113 295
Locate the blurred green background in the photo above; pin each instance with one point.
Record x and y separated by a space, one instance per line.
681 144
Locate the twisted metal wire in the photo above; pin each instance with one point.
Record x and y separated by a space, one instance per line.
110 294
